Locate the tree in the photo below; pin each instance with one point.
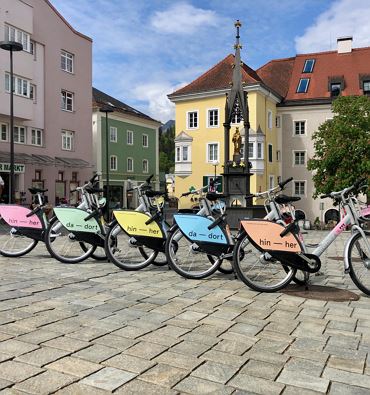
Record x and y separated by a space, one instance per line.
342 146
167 150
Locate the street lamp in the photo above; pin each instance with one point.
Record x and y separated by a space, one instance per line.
11 46
215 164
107 109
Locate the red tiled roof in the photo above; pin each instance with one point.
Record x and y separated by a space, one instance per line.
218 77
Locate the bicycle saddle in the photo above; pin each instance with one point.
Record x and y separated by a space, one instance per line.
151 193
213 196
37 190
283 199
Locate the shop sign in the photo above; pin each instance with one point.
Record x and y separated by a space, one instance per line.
5 168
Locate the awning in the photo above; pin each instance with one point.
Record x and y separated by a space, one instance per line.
44 159
72 162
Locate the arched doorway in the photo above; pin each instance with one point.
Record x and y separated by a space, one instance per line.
331 215
300 215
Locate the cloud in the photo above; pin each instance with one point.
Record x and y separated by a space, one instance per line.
343 18
183 18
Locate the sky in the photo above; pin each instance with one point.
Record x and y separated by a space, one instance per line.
144 50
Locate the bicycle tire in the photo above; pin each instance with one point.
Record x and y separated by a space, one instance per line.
226 270
122 250
358 253
177 260
63 247
13 244
296 278
97 255
253 257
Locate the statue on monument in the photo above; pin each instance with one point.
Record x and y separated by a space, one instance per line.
237 140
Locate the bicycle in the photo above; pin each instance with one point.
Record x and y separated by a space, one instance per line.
271 245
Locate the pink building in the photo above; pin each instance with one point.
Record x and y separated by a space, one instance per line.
52 101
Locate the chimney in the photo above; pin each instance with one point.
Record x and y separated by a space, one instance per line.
344 44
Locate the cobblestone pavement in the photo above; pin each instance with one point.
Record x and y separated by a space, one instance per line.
90 328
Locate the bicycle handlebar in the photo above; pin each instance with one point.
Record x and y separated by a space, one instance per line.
283 183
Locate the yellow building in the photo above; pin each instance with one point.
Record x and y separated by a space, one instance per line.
200 114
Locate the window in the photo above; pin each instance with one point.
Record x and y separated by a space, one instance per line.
299 158
145 166
178 154
299 128
33 92
308 65
20 134
278 155
60 175
113 134
130 137
3 132
14 34
335 89
185 153
212 151
74 176
251 150
192 119
213 118
278 122
237 118
303 85
269 119
270 153
259 151
271 182
67 101
130 164
67 140
366 86
145 141
300 188
36 137
66 61
21 86
113 162
33 48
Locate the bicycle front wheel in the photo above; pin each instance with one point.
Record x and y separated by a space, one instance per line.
13 244
187 259
259 270
63 246
125 251
359 261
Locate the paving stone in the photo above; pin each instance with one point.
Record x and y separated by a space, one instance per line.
199 338
131 332
164 375
300 379
74 366
38 336
146 350
215 372
137 386
341 376
87 334
256 384
45 383
42 356
232 347
312 368
261 369
197 386
81 389
97 353
345 389
160 339
129 363
308 354
290 390
17 371
15 347
190 348
349 365
108 378
5 384
119 342
66 343
225 358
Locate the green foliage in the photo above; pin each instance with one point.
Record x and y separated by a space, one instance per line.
342 146
167 150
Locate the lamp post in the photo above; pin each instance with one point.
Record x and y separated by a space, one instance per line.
215 164
107 109
11 46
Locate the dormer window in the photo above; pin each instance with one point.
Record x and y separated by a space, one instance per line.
308 65
303 85
336 85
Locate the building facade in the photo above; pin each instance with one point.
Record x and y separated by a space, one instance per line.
132 148
52 101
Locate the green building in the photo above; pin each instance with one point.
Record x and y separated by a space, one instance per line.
132 147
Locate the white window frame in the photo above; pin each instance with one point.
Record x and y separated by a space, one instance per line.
305 187
130 137
269 119
18 139
145 137
178 154
147 166
67 100
36 134
20 36
21 86
294 127
271 181
209 159
67 140
188 113
113 160
268 153
4 126
299 85
295 152
113 134
209 123
278 121
69 61
132 162
259 144
278 155
251 143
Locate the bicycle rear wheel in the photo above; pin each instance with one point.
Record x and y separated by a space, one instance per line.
12 243
359 261
63 246
125 251
187 259
259 270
